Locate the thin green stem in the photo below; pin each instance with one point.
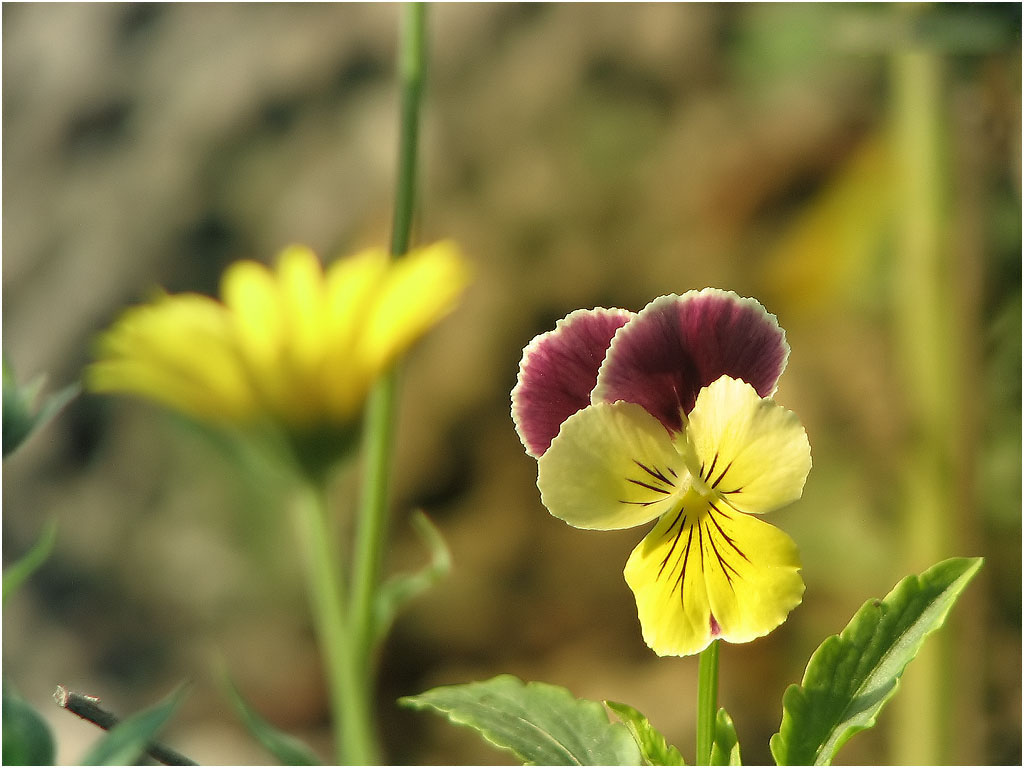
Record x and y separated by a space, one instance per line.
707 702
350 716
378 438
926 332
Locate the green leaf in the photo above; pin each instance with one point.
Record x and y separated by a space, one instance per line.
851 676
16 575
19 418
652 744
287 749
127 741
726 748
27 738
399 590
541 724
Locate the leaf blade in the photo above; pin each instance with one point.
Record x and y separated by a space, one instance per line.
27 739
285 747
127 741
851 676
652 744
541 724
19 571
725 750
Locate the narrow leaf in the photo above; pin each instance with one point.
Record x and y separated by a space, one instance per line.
652 744
16 575
726 748
541 724
26 737
401 589
20 419
851 676
287 749
127 741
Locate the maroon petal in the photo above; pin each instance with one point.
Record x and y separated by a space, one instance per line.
558 372
677 345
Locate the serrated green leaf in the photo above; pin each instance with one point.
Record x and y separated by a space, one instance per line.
27 738
726 748
126 742
851 676
652 744
541 724
20 419
286 748
17 573
399 590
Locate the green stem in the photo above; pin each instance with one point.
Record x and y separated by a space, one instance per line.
350 717
925 325
378 439
707 702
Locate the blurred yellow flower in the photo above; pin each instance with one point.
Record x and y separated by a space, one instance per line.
296 345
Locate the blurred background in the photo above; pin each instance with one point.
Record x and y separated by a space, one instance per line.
856 168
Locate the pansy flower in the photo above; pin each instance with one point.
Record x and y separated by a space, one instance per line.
667 415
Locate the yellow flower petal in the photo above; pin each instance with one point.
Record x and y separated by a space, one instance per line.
419 289
665 573
291 344
178 352
610 466
705 572
753 578
351 286
751 452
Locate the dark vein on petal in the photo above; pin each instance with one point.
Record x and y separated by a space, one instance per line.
686 558
674 542
655 473
711 469
647 486
726 536
726 566
715 484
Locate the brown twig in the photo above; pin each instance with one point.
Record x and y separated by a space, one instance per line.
88 708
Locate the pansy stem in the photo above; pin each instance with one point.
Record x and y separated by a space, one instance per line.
707 702
380 415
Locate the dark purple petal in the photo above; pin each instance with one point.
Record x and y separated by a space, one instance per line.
677 345
558 372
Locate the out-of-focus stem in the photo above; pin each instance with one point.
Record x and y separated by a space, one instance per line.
378 442
350 712
924 320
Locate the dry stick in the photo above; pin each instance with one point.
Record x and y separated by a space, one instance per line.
88 708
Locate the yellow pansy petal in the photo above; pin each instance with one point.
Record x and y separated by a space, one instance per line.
665 573
752 574
708 572
610 466
751 451
419 289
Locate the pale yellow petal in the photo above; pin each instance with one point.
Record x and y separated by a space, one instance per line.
612 465
751 451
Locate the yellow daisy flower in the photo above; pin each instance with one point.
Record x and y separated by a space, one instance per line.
296 345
